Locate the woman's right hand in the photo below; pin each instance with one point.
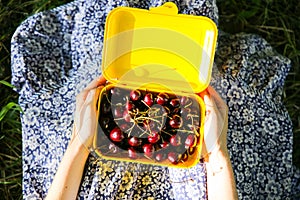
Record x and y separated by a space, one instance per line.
85 118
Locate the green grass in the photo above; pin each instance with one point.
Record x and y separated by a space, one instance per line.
275 20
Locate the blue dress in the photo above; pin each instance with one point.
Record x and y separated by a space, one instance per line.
56 53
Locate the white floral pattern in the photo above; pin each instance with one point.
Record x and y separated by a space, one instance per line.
259 130
56 53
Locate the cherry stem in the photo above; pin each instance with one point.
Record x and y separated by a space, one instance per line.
186 106
117 119
106 95
131 128
185 131
145 104
192 115
149 157
141 117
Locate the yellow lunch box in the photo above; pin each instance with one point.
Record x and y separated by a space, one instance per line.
149 56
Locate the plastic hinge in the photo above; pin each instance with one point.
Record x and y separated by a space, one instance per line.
167 8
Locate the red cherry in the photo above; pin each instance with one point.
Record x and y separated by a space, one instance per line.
134 141
175 122
175 103
135 95
129 105
126 116
132 153
184 100
148 99
190 141
160 157
148 149
118 112
162 98
124 127
165 144
173 157
175 140
116 135
115 91
153 137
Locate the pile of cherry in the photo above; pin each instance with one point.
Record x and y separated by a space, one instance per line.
158 126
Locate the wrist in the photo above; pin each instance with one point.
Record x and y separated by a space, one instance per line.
217 161
79 142
78 147
216 155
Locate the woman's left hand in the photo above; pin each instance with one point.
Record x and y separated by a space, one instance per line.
216 122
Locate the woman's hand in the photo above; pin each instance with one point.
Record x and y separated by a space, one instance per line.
85 118
69 173
220 178
216 122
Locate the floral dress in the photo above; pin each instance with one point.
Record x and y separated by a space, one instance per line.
56 53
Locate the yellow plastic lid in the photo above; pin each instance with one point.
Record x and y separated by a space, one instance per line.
159 47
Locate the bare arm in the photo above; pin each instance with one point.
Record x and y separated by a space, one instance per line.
68 176
67 179
220 178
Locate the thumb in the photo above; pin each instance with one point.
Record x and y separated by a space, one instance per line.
215 119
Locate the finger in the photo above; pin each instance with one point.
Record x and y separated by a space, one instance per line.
216 122
213 95
86 120
211 131
211 126
90 96
86 106
204 151
214 103
81 97
216 97
96 83
209 101
203 93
